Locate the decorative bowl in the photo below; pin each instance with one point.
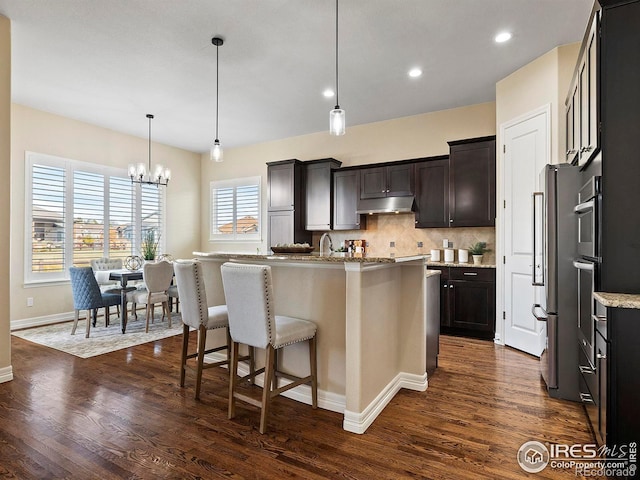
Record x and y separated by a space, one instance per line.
292 249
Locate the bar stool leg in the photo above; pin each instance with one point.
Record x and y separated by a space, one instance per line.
233 379
314 372
185 348
266 390
202 340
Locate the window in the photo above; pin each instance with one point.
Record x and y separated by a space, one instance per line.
79 211
235 209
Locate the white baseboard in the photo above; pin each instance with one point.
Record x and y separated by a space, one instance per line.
358 422
333 402
40 321
6 374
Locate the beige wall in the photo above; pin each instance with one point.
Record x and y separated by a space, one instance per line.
403 138
5 199
42 132
541 82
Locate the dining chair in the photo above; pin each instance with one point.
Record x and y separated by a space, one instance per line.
157 278
101 269
198 315
87 296
248 290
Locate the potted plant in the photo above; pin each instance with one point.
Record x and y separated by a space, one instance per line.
477 250
149 245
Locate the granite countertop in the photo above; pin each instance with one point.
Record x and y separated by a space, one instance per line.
618 300
312 257
457 264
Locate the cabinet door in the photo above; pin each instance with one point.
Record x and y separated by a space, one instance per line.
281 227
444 295
571 134
280 181
590 131
346 189
472 184
373 182
400 180
432 194
318 196
472 305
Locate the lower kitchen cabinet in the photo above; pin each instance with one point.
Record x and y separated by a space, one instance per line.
609 375
467 301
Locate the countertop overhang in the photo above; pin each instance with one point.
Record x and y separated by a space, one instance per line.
333 258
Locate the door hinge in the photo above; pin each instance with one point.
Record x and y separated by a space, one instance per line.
504 260
504 204
504 315
504 148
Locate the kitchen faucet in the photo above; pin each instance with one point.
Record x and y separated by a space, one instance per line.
325 235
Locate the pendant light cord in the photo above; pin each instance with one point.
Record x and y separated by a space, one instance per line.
337 100
149 116
217 87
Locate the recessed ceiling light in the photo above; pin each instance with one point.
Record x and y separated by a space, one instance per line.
415 72
502 37
328 93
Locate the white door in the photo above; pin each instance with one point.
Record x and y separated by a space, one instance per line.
526 151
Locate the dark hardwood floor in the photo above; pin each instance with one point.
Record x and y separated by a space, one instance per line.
123 415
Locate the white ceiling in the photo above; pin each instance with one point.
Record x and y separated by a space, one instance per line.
110 62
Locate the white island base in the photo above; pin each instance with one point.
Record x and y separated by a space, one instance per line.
372 326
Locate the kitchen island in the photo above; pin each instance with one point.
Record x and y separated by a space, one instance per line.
371 314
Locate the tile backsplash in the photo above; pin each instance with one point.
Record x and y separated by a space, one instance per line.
384 230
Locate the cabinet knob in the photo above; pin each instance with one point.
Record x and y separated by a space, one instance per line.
450 285
451 220
601 356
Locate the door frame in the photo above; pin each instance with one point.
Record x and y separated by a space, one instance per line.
500 230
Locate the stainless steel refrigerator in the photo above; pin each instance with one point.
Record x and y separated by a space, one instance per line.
554 249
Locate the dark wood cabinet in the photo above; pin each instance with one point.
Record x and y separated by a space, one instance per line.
432 193
582 108
388 181
467 301
319 191
609 381
472 182
346 190
286 203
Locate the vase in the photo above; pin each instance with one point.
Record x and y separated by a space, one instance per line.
477 259
463 255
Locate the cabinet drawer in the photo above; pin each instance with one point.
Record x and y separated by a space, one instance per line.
589 374
472 274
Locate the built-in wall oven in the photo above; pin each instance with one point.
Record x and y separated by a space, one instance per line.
586 270
587 263
587 211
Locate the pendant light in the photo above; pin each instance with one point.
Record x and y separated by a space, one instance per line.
139 173
337 120
216 148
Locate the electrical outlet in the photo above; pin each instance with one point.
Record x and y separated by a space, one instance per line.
392 244
420 245
29 301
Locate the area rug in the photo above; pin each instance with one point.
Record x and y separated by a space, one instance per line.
102 339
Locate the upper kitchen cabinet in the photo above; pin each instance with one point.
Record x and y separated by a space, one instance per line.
319 191
432 193
286 202
472 182
346 190
388 181
582 106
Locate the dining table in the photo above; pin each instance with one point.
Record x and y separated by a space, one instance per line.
124 276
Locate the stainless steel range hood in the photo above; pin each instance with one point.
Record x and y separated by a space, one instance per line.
386 205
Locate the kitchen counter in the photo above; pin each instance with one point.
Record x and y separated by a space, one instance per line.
372 323
310 257
618 300
457 264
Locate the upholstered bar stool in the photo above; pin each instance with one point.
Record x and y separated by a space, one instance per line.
196 314
252 321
